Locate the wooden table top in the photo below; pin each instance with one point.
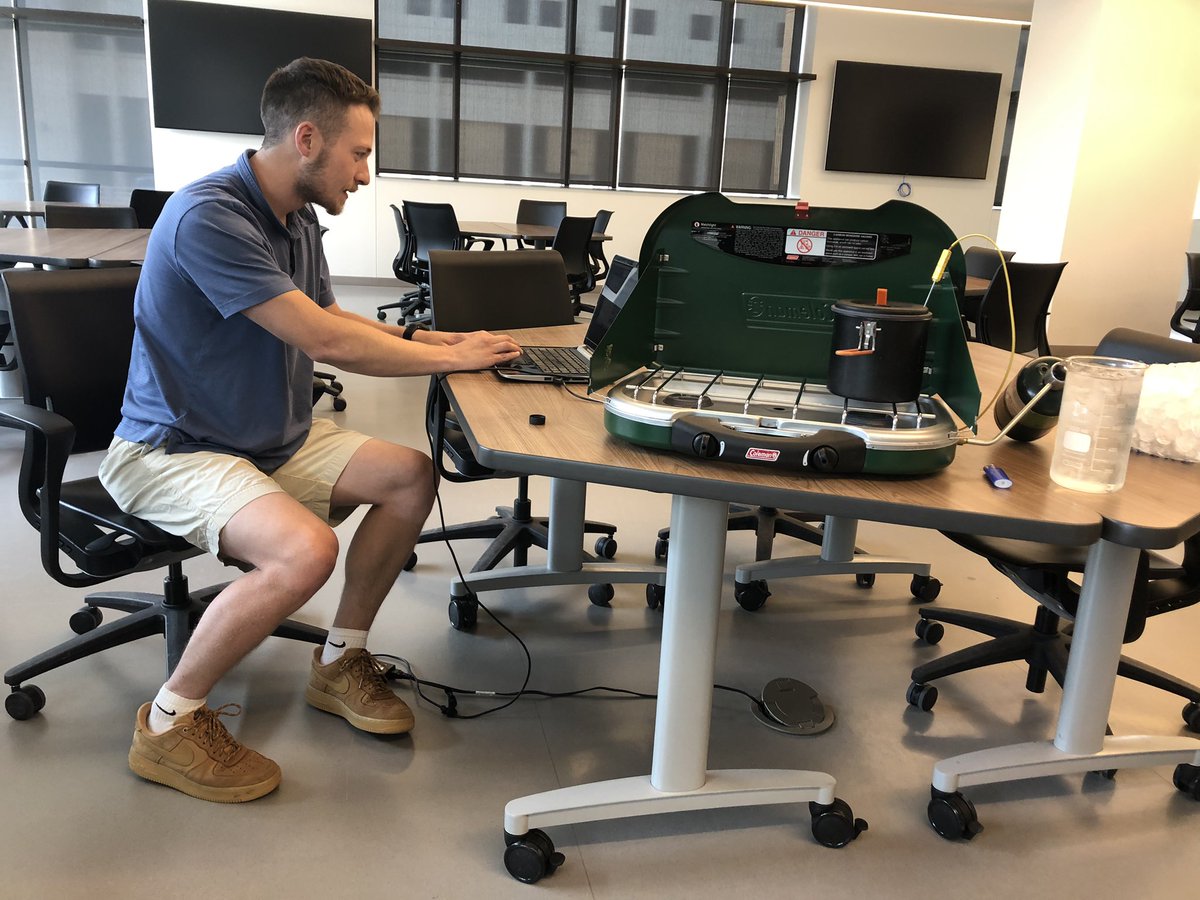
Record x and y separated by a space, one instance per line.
70 247
574 444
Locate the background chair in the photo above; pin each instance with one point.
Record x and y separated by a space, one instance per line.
465 299
61 216
431 227
572 240
539 212
1186 320
148 205
981 262
414 303
71 192
596 248
74 331
1050 574
1033 287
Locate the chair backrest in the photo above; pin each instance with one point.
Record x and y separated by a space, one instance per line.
148 205
572 240
402 263
1033 287
982 262
73 330
71 192
1186 319
59 215
499 290
540 212
433 226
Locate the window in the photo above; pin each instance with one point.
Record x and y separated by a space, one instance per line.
84 112
670 94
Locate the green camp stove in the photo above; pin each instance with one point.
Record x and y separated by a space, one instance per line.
723 349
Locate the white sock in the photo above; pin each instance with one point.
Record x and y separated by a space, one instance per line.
169 709
339 641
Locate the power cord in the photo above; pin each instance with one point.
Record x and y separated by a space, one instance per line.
566 387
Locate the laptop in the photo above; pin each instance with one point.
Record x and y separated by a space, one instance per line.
571 365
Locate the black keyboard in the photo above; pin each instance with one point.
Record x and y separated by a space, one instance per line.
553 360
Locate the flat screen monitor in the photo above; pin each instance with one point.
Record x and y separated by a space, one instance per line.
910 120
209 61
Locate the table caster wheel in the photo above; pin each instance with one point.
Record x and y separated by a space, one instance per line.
86 619
925 588
953 816
1187 780
1191 715
410 563
930 632
751 595
661 546
922 696
464 612
600 594
833 824
865 579
656 594
606 546
24 702
531 856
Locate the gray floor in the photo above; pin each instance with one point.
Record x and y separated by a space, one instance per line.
421 816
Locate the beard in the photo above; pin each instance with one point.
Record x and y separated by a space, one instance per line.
311 190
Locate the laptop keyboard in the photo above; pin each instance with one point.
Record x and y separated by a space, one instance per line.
554 360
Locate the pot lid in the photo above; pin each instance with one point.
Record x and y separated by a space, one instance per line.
872 310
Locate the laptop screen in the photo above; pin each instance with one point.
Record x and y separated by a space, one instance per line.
618 285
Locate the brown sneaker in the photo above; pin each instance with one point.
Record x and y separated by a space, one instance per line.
354 688
201 758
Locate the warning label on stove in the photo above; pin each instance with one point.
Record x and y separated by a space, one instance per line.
834 244
795 246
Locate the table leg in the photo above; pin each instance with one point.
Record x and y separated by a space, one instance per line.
679 779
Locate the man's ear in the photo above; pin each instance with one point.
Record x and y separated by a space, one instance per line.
307 138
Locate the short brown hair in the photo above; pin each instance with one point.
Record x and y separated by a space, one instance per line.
316 90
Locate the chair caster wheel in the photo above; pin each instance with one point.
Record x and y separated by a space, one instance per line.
339 405
1191 716
1106 774
865 580
922 696
953 816
833 824
661 546
606 547
1187 780
656 595
24 702
751 595
601 594
381 316
85 619
925 588
464 612
411 562
930 632
531 856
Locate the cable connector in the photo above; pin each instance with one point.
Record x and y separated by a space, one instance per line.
940 269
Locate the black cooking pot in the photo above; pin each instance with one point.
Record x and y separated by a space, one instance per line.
878 351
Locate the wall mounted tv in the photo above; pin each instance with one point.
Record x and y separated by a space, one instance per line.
209 61
909 120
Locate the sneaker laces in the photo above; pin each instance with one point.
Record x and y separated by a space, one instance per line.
213 735
369 672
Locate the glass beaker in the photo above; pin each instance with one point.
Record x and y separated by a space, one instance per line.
1095 426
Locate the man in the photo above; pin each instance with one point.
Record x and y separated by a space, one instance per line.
217 441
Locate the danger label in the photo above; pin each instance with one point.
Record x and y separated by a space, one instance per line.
832 244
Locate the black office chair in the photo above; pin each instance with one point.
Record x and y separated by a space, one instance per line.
1186 320
981 262
71 192
416 302
1050 574
596 248
539 212
572 240
326 384
468 297
74 331
1033 287
148 205
61 216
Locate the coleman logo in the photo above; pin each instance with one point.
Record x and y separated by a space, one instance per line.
761 454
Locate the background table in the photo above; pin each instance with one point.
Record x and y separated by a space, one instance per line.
73 248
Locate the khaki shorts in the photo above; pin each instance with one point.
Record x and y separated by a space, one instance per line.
194 495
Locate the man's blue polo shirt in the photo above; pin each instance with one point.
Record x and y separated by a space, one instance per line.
203 377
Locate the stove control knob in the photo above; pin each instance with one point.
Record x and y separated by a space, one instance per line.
706 445
823 459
